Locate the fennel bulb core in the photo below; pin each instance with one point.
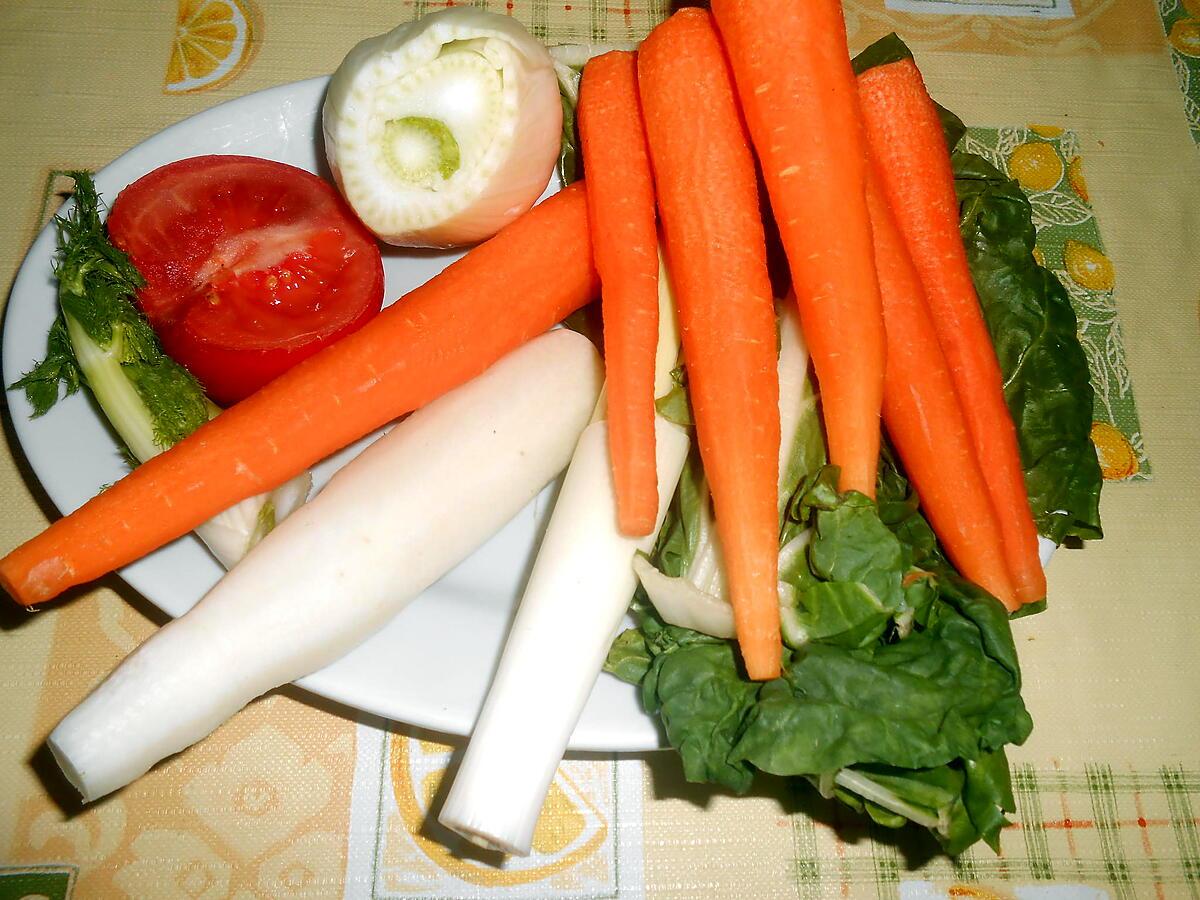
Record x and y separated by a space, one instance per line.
420 150
445 129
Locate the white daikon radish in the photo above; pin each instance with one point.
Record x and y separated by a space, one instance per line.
410 507
445 129
578 592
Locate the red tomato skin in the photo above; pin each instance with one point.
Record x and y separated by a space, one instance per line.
218 321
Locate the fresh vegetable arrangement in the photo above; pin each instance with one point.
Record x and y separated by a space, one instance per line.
813 596
900 685
500 295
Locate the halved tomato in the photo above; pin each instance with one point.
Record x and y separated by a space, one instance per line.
251 266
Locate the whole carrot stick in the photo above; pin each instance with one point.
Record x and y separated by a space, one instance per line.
624 243
504 292
797 90
918 180
923 417
708 203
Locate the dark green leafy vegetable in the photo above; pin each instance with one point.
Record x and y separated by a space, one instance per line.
1033 325
568 154
898 691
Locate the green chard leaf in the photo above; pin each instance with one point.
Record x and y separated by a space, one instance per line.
1033 325
675 405
628 657
907 680
569 157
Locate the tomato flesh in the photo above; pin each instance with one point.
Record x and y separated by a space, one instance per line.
251 266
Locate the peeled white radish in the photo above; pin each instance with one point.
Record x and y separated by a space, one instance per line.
409 508
445 129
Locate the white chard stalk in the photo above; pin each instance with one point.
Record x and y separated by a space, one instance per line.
445 129
699 599
577 595
408 509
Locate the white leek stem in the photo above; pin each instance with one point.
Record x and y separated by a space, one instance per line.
578 592
389 524
577 595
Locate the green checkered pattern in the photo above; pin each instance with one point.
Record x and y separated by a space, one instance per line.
561 21
1133 834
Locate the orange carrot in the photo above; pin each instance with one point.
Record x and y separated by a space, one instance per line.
924 419
504 292
918 180
798 93
624 242
713 233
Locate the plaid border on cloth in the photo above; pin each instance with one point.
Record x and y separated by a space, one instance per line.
568 21
1181 24
1133 834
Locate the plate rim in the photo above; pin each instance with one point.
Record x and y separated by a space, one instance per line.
33 266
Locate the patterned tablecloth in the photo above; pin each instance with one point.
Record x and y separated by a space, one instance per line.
1092 105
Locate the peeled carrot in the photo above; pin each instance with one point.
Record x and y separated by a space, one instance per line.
713 233
624 242
923 417
906 136
797 90
504 292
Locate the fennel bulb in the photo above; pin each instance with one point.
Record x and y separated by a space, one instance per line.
229 535
102 341
445 129
390 523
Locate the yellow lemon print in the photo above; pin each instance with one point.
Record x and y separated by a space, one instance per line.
1039 257
1088 267
561 823
1192 7
1047 131
1117 459
1185 37
1036 166
569 832
1076 180
214 41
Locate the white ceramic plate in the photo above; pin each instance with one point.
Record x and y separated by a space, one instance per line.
430 666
